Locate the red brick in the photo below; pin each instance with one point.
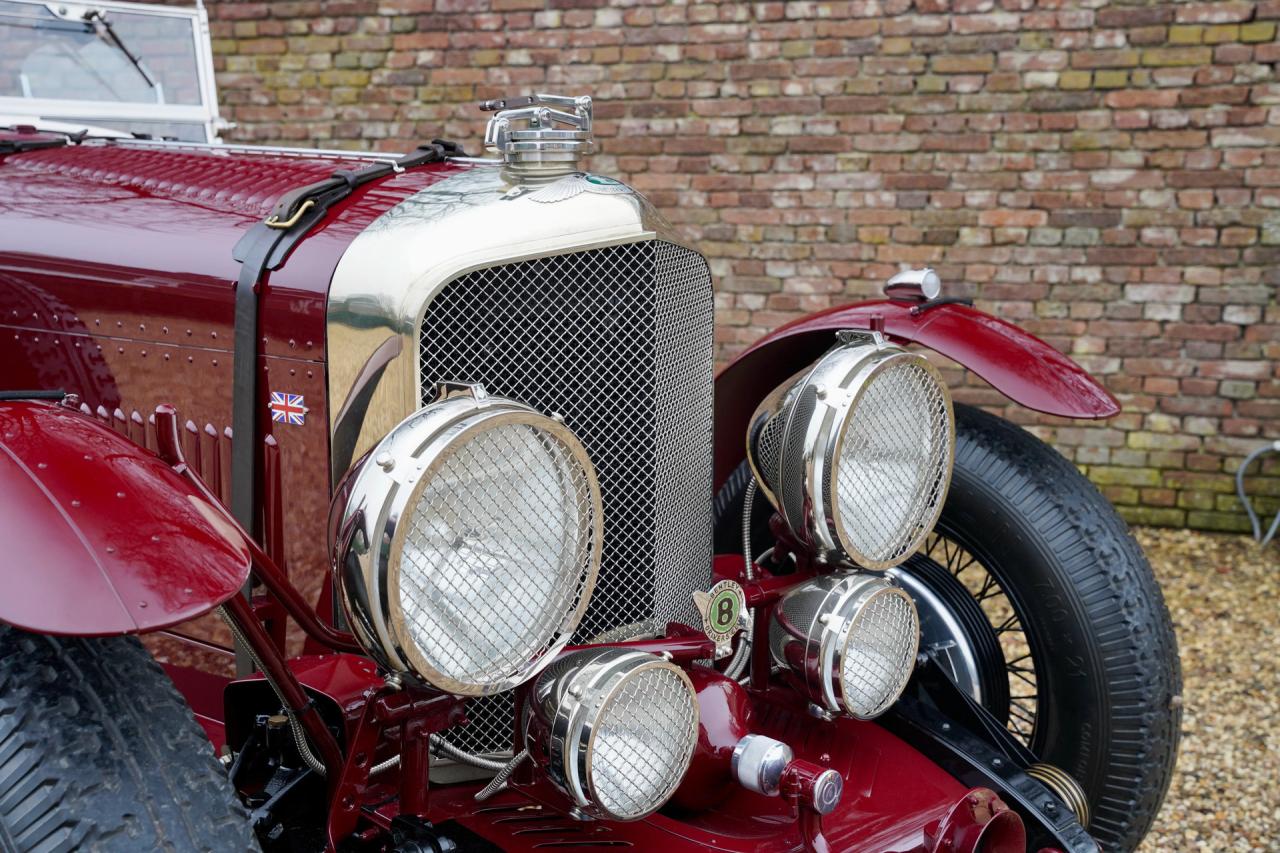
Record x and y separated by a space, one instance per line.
1134 16
1106 178
1218 12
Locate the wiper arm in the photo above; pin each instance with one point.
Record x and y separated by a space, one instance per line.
108 33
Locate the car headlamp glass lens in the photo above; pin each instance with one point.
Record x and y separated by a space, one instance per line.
494 552
489 519
893 462
622 729
856 452
850 638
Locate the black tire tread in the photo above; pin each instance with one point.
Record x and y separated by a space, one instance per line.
99 752
1113 590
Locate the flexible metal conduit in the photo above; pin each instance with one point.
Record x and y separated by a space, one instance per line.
295 725
743 654
438 744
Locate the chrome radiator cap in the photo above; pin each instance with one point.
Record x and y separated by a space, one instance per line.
544 135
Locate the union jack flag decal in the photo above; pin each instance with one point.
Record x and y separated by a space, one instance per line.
288 408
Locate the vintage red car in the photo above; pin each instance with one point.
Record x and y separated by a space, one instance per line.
417 478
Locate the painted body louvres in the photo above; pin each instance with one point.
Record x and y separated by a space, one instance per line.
494 482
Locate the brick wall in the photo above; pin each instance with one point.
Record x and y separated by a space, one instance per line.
1105 174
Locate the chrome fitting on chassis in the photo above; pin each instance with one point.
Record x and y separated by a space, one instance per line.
769 767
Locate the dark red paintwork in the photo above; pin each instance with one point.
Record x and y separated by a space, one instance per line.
982 821
1017 364
725 712
894 801
116 283
102 537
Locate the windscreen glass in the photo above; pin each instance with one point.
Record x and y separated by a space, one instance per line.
104 55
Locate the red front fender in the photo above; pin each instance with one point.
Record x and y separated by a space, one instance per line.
1017 364
98 536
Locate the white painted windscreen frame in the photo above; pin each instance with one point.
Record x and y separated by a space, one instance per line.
65 112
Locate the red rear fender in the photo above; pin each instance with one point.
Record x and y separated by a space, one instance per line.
99 536
1017 364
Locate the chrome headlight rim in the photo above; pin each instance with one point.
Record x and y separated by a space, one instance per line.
807 419
861 607
592 682
839 601
384 492
839 536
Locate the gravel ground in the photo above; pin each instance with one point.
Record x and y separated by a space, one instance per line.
1224 595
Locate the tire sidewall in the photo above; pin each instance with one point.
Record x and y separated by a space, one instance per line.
1073 706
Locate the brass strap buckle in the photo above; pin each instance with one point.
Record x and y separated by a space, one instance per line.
274 221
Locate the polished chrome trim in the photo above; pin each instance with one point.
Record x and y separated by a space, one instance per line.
757 763
942 633
391 157
835 384
831 604
549 141
914 285
274 150
576 693
827 791
385 490
391 272
835 530
356 404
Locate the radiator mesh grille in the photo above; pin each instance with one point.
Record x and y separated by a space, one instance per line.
618 341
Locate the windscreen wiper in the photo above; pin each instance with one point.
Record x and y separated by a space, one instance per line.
108 34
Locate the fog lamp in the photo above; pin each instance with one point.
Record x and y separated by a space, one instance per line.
856 451
618 729
850 639
469 543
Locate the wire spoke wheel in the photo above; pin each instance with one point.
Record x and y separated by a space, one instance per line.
1006 682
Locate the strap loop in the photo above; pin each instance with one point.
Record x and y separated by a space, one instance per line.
274 220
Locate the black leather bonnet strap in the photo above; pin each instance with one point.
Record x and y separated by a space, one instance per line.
263 248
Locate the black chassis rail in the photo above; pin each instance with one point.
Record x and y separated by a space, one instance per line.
962 737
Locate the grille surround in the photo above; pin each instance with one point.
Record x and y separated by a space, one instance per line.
617 341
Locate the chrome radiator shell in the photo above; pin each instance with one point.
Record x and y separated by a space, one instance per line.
576 298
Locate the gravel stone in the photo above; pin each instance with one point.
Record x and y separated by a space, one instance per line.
1224 595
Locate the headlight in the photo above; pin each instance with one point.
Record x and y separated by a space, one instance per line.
470 543
850 639
856 452
618 729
